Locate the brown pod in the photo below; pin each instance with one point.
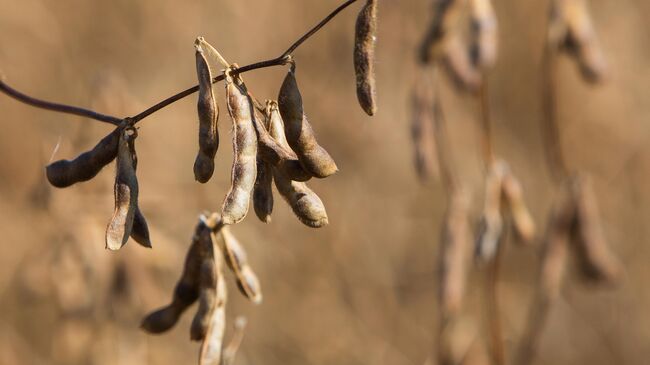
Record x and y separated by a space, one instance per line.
364 56
484 34
423 129
211 348
207 286
140 230
87 165
597 262
458 64
186 292
555 246
303 201
263 191
491 229
126 193
581 40
208 111
445 16
299 133
237 260
514 198
244 169
279 155
455 246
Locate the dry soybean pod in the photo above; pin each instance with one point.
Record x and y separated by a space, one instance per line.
126 193
237 260
212 345
208 112
303 201
597 263
298 131
445 15
364 56
484 33
491 229
87 165
524 225
581 40
207 286
140 230
279 154
263 191
244 169
422 128
454 249
458 64
186 292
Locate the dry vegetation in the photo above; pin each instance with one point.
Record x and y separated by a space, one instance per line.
366 288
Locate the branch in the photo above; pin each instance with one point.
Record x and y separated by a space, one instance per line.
62 108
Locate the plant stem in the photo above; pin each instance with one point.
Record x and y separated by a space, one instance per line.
62 108
68 109
494 316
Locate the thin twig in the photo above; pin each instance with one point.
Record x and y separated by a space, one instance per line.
68 109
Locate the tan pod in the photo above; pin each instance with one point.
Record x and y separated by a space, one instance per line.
423 128
299 133
263 191
207 286
126 193
212 345
236 258
455 246
244 169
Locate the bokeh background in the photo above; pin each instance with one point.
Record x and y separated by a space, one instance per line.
363 289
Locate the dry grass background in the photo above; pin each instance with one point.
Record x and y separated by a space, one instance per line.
360 291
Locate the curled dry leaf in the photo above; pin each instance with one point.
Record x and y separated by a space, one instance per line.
237 260
212 345
364 56
186 292
299 133
484 33
64 173
208 112
597 263
244 169
423 128
126 192
455 246
207 286
303 201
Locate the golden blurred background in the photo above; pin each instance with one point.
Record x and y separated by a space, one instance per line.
363 289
